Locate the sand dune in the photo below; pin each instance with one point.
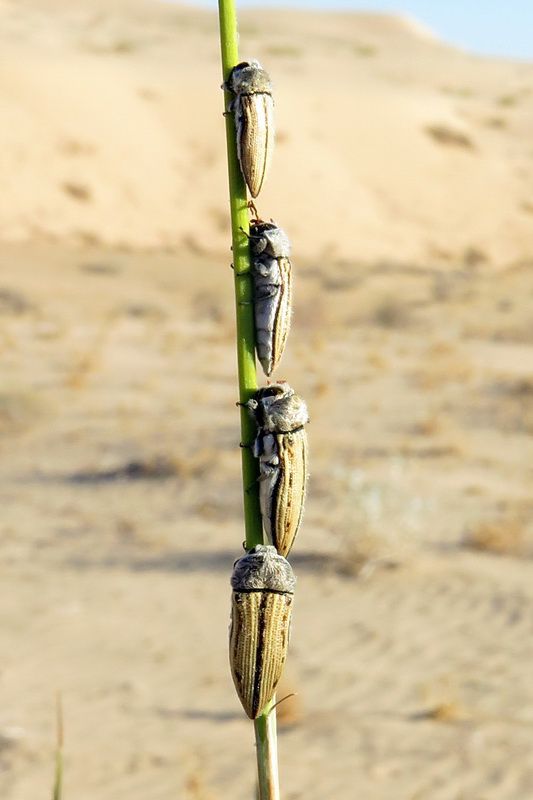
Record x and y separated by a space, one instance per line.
390 142
403 175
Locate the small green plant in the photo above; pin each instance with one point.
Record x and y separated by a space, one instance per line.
364 50
507 100
57 792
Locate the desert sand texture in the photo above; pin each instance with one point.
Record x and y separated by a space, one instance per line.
390 143
403 175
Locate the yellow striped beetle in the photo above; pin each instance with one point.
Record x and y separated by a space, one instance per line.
281 447
263 587
253 109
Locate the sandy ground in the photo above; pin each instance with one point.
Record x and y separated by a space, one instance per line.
119 472
390 144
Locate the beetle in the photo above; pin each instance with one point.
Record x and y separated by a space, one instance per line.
263 587
271 269
281 447
253 109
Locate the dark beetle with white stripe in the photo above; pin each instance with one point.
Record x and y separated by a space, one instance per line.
263 587
281 447
253 109
272 291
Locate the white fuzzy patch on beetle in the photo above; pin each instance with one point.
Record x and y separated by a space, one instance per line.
263 585
272 291
281 447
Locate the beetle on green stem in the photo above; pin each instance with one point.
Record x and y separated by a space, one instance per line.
253 109
281 447
263 587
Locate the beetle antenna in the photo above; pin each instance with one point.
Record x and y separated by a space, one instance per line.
287 696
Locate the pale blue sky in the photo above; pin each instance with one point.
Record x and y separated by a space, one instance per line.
496 27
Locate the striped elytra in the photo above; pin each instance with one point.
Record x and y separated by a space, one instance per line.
263 587
272 291
254 116
253 109
283 462
281 447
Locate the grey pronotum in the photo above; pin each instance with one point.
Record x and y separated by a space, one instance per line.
272 291
263 586
253 109
281 447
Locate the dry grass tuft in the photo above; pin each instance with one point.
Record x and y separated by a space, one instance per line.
504 537
363 554
195 788
429 426
391 312
444 712
100 268
521 388
364 50
497 123
457 91
376 522
450 137
77 191
376 360
508 100
19 410
442 364
158 467
474 257
284 51
442 702
89 361
13 302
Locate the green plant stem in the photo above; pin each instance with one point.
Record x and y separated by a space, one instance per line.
58 778
240 226
57 792
265 725
267 747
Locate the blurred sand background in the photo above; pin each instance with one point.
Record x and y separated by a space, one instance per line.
403 174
